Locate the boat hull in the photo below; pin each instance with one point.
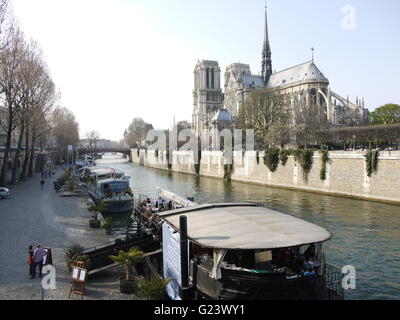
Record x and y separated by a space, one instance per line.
113 206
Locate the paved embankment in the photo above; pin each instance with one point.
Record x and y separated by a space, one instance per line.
33 216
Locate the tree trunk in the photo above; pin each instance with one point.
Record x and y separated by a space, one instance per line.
32 155
17 154
4 166
26 157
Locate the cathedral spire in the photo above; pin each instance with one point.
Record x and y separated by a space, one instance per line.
266 65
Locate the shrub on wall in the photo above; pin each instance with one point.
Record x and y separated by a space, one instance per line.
304 158
258 157
271 159
284 156
324 161
197 162
138 152
228 168
372 158
169 164
156 153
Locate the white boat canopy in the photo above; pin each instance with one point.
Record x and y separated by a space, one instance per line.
164 194
245 226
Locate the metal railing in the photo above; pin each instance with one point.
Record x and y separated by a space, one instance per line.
333 283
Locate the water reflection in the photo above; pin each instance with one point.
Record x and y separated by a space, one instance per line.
366 234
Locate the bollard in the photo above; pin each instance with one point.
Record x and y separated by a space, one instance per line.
185 290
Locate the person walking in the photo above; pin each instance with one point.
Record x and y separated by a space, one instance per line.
30 260
41 184
38 255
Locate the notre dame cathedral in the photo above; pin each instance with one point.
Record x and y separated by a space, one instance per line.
304 82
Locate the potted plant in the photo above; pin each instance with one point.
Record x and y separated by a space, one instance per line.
71 186
71 253
128 259
107 225
153 289
82 261
101 207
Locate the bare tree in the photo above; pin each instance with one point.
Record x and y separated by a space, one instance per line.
92 137
309 118
6 23
10 63
268 114
65 130
136 132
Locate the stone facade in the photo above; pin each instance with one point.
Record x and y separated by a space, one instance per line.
207 93
345 174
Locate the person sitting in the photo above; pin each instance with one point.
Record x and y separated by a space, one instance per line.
310 266
287 258
170 206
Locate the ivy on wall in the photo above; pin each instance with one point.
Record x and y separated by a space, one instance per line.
156 153
284 156
324 161
271 159
169 164
304 158
138 152
258 157
197 163
228 168
372 158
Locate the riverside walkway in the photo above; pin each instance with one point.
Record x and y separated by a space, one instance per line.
33 216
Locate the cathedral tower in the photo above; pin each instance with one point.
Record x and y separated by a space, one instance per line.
266 65
207 93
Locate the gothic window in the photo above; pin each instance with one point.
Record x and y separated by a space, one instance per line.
313 94
208 78
212 78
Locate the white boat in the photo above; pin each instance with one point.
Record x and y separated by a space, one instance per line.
109 187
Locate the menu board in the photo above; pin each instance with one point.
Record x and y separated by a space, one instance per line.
172 260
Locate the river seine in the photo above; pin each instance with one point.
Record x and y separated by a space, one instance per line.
366 234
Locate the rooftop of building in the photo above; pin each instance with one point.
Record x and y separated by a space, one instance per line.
306 71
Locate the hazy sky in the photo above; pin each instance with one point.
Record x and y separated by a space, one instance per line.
120 59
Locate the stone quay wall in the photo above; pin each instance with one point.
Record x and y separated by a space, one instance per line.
346 173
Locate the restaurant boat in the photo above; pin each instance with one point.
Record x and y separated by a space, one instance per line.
244 251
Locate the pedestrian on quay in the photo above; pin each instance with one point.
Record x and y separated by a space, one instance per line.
30 260
42 174
38 255
41 184
45 174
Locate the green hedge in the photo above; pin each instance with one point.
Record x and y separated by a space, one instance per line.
271 159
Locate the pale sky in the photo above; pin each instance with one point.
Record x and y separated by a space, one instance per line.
120 59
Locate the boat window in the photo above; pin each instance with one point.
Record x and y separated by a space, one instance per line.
241 258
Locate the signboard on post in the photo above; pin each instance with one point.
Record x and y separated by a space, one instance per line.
172 260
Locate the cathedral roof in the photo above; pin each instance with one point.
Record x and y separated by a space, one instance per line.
223 115
248 81
303 72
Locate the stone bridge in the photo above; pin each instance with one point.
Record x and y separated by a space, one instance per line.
125 151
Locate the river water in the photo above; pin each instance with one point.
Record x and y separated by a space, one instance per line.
366 234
